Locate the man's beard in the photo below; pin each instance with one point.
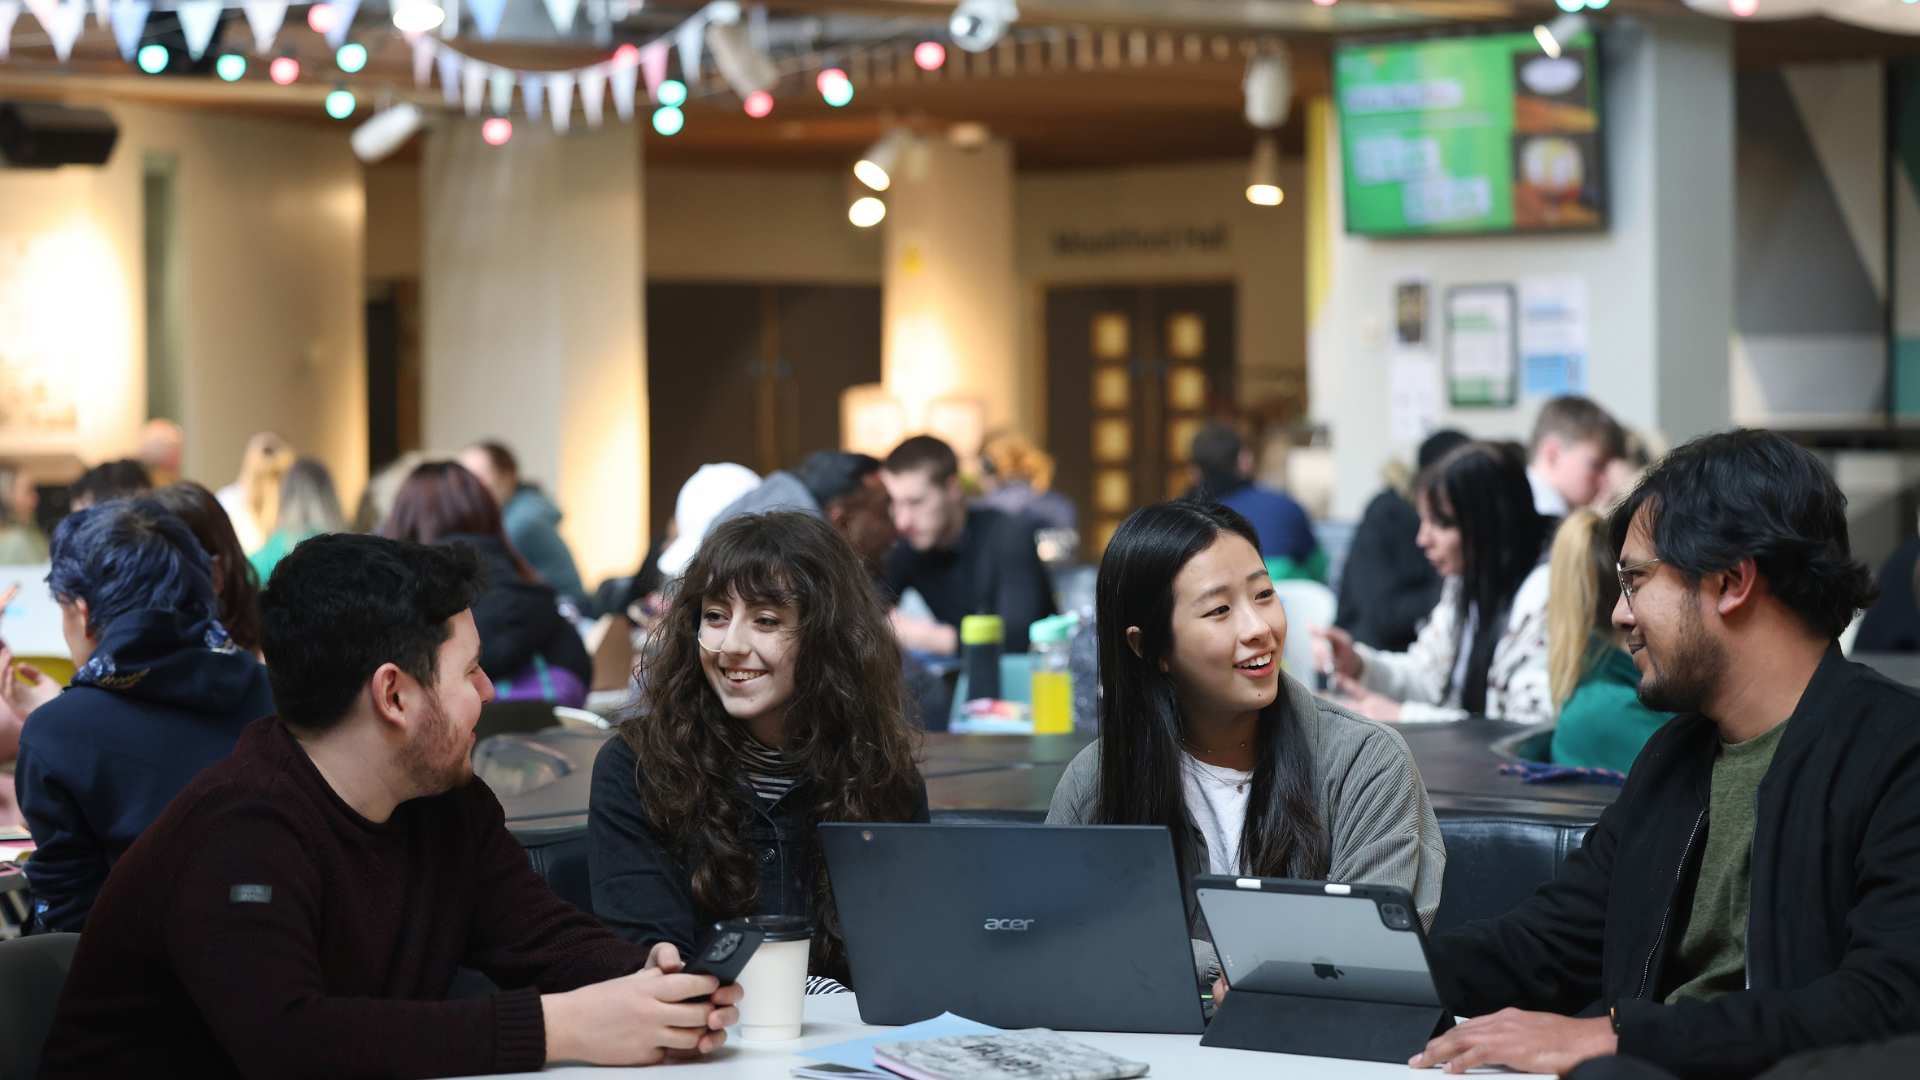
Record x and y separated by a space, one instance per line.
436 758
1683 674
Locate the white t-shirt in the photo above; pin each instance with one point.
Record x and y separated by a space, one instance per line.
1217 799
1547 500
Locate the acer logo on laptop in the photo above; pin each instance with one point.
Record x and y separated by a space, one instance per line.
1017 925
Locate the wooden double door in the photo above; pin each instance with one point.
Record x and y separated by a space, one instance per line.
750 373
1133 372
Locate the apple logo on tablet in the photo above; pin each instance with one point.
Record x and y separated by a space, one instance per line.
1323 970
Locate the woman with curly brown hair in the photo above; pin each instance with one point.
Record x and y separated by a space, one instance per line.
772 704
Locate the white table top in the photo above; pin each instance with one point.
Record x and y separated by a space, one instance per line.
835 1018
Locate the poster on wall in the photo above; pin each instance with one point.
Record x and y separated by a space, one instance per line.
38 396
1415 392
1482 346
1554 339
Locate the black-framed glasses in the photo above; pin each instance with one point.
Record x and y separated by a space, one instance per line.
1627 573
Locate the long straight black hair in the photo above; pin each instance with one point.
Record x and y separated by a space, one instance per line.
1483 491
1141 722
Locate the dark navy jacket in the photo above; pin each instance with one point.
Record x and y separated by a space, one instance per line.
643 893
99 762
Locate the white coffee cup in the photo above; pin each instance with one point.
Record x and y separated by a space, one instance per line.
774 983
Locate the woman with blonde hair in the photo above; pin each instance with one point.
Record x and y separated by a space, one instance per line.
1018 478
1594 683
252 501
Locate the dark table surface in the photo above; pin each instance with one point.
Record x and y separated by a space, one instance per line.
1457 761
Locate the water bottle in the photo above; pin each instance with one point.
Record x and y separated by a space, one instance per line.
980 641
1052 639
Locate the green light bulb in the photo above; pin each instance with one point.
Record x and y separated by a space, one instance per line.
231 67
672 93
152 58
352 57
340 104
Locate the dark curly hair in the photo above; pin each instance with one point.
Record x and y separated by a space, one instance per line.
846 724
1747 494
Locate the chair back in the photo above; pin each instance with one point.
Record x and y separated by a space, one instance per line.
1495 863
32 971
1309 606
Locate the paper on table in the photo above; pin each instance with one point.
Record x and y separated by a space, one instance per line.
858 1053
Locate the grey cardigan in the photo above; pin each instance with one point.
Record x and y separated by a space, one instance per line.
1372 803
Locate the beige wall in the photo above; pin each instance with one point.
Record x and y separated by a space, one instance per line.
393 220
734 225
268 291
1262 255
533 327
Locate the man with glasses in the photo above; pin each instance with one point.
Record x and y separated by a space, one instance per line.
1755 890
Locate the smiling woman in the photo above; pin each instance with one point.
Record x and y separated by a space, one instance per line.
1201 732
773 703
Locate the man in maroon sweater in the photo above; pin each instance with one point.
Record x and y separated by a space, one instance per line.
300 908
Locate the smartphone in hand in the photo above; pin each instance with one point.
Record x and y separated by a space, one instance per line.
726 952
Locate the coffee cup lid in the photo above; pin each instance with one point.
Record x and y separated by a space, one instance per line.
779 927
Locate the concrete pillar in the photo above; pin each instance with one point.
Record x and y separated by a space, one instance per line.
533 323
950 303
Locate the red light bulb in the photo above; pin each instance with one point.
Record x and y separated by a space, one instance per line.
758 104
284 70
496 130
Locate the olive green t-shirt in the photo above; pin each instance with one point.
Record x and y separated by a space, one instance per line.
1713 951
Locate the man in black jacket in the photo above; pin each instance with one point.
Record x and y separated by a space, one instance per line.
1755 891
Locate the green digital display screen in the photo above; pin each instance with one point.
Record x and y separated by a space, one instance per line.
1476 134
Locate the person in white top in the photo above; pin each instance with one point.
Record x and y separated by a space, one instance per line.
1484 648
1201 732
1574 440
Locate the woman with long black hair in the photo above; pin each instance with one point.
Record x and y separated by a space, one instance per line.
1484 648
1202 732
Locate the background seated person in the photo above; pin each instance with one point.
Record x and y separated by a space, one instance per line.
109 480
530 517
963 561
1574 441
1223 466
300 909
527 645
1600 722
1202 732
1017 478
1388 587
159 693
1754 892
773 703
236 586
1484 648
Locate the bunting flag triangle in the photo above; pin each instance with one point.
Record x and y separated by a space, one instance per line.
626 79
473 87
343 13
264 18
533 90
562 12
450 26
198 20
42 10
449 62
101 16
9 14
423 50
486 17
64 28
690 38
593 93
653 61
500 91
128 19
560 99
